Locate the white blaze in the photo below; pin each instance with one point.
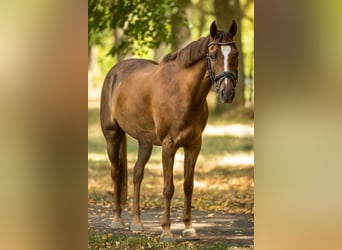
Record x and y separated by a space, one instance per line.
225 51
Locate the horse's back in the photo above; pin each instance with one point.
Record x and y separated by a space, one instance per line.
125 68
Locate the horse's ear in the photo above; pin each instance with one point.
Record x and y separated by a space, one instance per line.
233 28
213 29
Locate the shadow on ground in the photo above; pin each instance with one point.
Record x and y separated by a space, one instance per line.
235 229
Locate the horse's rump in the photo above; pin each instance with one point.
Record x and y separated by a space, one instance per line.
126 97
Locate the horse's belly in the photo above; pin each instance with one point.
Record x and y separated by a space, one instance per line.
145 136
140 128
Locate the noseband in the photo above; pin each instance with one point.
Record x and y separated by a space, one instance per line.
214 79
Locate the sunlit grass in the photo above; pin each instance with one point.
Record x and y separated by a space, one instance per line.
104 240
235 130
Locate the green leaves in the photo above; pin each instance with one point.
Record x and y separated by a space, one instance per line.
98 20
145 24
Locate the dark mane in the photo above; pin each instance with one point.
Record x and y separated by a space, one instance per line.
190 54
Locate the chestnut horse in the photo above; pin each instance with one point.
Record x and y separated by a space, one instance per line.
165 104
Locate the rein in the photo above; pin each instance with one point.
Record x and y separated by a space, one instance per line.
214 79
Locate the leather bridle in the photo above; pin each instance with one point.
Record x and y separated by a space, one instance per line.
225 74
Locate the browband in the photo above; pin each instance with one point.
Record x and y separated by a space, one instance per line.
218 43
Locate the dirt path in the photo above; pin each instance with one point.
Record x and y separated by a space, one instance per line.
236 229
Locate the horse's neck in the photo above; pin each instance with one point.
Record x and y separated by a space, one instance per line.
198 84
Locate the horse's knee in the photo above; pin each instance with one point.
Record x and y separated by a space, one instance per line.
188 187
169 191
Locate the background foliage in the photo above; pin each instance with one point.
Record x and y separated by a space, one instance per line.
146 24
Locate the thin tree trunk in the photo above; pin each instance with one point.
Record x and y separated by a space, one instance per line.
183 33
93 66
201 8
159 52
117 33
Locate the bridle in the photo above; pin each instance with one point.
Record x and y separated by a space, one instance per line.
214 79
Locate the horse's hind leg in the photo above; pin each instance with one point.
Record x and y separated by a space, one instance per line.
144 154
114 138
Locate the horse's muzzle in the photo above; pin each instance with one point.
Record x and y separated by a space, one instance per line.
227 98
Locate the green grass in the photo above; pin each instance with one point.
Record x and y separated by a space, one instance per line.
222 145
106 240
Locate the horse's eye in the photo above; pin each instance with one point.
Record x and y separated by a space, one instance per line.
212 56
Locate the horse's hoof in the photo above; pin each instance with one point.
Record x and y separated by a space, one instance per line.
167 236
137 227
190 234
117 225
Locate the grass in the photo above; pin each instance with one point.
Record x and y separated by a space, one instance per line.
106 240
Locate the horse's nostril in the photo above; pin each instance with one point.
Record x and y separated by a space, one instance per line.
222 93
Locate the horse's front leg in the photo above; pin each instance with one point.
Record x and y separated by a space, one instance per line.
190 157
168 155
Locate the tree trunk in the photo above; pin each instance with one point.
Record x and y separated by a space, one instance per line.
159 52
225 12
93 66
201 7
117 34
183 33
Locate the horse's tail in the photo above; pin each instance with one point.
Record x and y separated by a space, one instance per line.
123 167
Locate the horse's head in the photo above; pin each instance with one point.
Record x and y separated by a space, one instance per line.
222 61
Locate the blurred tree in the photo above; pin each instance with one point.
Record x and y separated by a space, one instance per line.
144 24
151 28
201 8
98 21
181 29
178 27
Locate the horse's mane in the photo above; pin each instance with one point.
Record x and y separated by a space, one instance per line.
190 54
